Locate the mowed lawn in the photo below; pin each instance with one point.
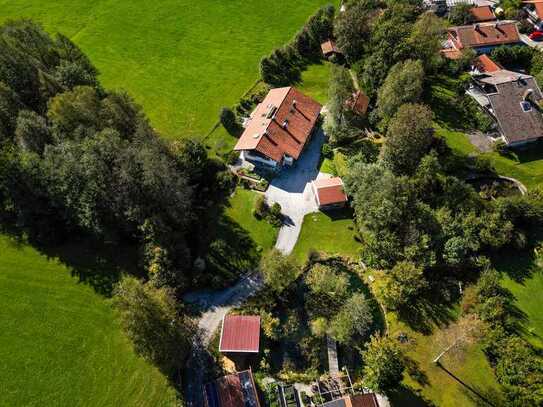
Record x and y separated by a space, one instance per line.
331 233
181 59
240 210
60 343
523 276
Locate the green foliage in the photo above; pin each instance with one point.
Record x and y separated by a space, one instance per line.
409 137
261 208
353 28
327 151
275 217
151 319
230 122
389 44
383 364
279 271
339 117
426 40
515 57
354 320
32 133
402 85
460 14
403 285
323 280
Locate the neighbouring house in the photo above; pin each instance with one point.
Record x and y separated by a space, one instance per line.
360 400
482 14
279 128
481 37
535 9
329 48
329 193
359 103
240 334
234 390
484 64
512 99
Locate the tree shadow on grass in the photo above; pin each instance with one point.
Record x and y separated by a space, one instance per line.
481 397
518 266
98 264
425 315
232 253
405 396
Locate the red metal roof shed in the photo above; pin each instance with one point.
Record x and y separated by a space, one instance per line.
240 334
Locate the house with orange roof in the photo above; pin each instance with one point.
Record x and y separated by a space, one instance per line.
481 37
279 128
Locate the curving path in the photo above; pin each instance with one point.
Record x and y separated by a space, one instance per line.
292 190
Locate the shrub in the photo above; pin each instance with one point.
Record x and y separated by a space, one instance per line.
274 216
232 157
230 122
327 151
261 208
501 148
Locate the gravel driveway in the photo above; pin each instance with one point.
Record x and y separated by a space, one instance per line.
292 190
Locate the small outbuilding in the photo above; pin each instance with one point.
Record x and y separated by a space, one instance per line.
359 103
240 334
329 193
329 48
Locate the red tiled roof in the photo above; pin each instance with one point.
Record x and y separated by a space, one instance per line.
485 34
233 390
240 334
329 47
329 191
359 102
482 14
364 400
281 124
484 64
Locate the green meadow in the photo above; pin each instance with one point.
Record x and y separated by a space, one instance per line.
182 60
60 342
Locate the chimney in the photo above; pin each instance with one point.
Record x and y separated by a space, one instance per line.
477 27
528 95
285 124
294 104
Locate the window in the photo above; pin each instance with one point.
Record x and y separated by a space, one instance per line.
526 106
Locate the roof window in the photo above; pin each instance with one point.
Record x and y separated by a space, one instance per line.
526 106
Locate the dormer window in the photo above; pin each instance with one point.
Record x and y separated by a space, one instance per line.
526 106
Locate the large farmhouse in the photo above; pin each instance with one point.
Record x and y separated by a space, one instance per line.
279 128
512 100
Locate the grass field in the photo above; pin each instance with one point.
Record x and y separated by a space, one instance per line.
331 233
181 59
523 276
60 344
315 82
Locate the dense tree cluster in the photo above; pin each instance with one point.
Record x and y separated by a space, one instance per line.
284 65
77 158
